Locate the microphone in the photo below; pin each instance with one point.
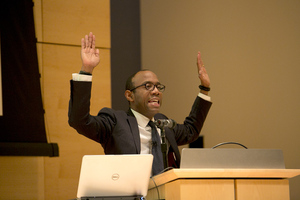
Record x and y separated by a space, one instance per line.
165 123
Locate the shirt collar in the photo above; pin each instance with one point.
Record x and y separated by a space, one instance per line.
141 119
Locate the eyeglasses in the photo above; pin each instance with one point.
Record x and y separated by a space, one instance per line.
150 86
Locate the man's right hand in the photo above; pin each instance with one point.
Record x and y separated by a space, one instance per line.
89 54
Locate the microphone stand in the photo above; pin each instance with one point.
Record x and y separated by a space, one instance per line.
164 147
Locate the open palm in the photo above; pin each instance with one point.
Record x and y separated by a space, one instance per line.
89 54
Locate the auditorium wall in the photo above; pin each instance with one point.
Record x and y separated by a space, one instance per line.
251 52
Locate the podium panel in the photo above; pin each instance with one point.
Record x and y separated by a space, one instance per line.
200 189
261 189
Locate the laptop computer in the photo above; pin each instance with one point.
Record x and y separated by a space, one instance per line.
114 176
232 158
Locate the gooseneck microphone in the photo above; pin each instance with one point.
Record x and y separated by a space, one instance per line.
165 123
162 124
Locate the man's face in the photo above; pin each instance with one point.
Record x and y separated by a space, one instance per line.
145 101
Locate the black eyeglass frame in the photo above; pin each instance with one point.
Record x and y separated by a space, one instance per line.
160 87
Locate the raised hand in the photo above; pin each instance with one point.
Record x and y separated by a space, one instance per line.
202 74
89 54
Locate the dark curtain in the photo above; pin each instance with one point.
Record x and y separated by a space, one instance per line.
23 113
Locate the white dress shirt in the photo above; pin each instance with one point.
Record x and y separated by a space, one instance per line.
145 132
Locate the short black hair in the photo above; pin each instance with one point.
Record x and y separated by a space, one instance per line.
129 84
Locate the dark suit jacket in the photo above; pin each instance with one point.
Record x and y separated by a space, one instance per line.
117 131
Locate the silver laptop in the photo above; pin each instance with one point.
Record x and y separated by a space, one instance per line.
114 175
232 158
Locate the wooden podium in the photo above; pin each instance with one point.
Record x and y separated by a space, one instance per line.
225 184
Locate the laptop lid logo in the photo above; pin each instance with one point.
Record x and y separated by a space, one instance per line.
115 177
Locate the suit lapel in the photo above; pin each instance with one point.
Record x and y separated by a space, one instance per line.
134 130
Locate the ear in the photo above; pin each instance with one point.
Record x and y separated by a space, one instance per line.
129 95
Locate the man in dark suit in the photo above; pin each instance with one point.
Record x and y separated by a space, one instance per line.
130 132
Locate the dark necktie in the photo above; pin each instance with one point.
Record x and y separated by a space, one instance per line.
158 164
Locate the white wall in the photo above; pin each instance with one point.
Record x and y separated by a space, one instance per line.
250 49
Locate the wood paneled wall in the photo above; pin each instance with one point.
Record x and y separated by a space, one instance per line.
64 24
22 178
60 25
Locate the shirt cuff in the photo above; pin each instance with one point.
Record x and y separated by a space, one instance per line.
81 77
205 97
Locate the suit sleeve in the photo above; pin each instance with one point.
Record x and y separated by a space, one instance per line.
97 127
189 131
